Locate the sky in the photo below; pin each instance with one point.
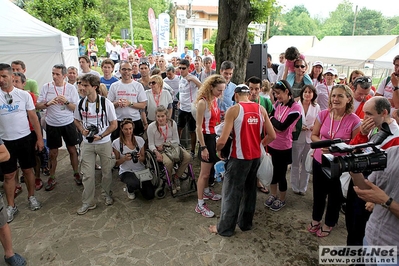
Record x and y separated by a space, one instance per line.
321 8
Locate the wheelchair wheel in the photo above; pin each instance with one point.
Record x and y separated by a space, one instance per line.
160 193
152 164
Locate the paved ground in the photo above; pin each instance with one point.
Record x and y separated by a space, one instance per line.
158 232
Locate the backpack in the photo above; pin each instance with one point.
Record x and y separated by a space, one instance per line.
103 109
387 81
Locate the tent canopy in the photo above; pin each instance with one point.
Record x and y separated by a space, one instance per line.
386 60
350 50
38 45
278 44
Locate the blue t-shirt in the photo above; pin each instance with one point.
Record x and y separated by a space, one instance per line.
108 82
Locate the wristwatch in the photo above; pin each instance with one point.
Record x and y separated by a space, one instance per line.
202 148
387 204
395 88
66 103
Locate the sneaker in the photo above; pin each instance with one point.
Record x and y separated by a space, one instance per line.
176 180
108 200
15 260
50 184
17 190
34 204
204 210
97 167
212 196
78 179
277 205
131 195
270 200
11 211
38 183
85 208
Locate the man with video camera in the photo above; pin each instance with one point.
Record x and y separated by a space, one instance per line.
376 115
95 118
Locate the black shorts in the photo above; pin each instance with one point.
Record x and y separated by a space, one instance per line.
186 117
210 143
56 134
20 150
94 58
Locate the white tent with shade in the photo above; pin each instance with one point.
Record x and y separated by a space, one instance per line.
386 60
38 45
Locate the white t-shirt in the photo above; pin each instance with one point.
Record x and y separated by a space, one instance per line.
165 99
14 122
58 115
155 138
271 75
323 92
81 73
187 93
129 166
92 118
387 90
174 84
133 92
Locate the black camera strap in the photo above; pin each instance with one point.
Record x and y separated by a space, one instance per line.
99 100
121 147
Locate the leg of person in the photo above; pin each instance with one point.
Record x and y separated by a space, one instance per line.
304 176
70 136
232 192
350 214
281 172
273 184
181 122
184 163
193 135
132 183
54 141
18 187
248 202
104 151
169 167
201 183
210 143
34 204
89 179
297 149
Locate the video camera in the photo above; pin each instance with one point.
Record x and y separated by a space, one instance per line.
93 130
362 157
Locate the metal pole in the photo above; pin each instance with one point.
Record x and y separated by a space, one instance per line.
354 22
131 22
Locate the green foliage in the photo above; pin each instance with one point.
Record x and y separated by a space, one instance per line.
261 9
370 22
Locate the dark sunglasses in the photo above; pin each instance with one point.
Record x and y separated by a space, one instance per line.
144 63
300 66
152 83
182 68
363 80
8 98
78 82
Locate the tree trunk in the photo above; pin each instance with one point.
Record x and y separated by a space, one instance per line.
232 40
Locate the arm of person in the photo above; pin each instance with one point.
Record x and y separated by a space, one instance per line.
71 106
285 72
144 119
287 122
270 133
230 116
34 120
365 128
376 195
120 159
80 127
111 128
316 131
194 79
199 119
4 154
140 105
395 93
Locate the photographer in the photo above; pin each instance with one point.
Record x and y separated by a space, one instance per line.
381 188
376 112
95 118
129 155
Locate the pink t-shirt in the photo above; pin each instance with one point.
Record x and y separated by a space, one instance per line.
341 129
290 64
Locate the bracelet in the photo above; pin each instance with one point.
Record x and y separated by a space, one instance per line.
131 104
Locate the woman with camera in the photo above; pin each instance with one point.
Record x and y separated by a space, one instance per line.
336 122
129 155
164 130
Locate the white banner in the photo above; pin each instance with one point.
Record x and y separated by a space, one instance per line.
163 30
198 38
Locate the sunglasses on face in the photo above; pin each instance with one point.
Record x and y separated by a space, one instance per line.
152 83
8 98
182 68
300 66
78 82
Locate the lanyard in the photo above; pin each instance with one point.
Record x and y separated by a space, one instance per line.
55 89
164 135
331 133
157 97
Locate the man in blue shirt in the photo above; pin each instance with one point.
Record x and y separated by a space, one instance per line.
226 70
107 66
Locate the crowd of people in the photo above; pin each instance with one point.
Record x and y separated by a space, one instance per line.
143 101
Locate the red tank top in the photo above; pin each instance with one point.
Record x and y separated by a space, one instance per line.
211 117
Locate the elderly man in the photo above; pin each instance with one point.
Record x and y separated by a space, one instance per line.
15 132
60 99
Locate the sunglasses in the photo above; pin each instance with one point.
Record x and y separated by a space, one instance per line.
8 98
152 83
78 82
300 66
363 79
126 69
182 68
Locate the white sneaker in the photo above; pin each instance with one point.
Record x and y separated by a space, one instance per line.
204 210
131 195
11 212
85 208
34 204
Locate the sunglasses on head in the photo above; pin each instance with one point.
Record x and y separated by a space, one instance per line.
300 66
152 83
182 68
363 79
8 98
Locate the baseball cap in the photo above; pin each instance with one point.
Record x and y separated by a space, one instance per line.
318 63
342 76
240 88
331 70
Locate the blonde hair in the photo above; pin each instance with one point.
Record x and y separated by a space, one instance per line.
158 79
205 91
103 90
266 87
348 92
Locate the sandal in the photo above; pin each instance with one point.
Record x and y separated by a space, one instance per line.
314 228
264 190
320 232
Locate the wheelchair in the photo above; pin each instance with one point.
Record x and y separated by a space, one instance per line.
160 174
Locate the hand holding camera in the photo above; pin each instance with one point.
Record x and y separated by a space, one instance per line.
92 131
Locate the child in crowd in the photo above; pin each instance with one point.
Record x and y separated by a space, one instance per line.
291 54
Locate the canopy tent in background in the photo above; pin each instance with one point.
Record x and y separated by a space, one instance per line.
40 46
278 44
386 60
352 51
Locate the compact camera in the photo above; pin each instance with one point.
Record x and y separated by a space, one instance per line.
135 156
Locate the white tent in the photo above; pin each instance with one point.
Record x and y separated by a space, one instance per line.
350 50
278 44
386 60
40 46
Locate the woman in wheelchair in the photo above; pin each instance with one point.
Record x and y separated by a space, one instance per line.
129 155
162 130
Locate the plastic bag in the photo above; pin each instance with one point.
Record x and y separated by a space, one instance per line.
309 162
345 179
265 170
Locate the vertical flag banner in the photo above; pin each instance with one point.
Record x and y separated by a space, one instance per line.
153 26
163 30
